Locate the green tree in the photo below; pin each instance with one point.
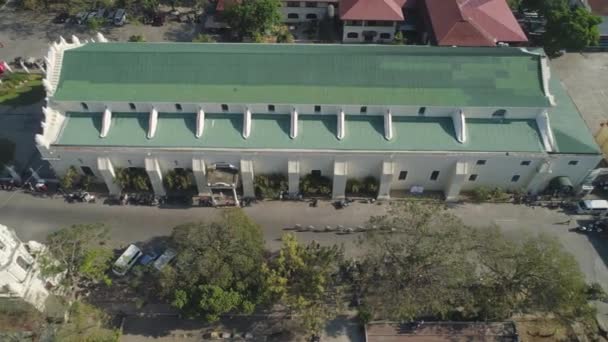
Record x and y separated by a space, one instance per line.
303 280
218 268
133 179
86 323
532 275
69 179
80 253
421 268
253 18
569 28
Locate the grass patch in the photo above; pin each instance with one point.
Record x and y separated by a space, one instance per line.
19 89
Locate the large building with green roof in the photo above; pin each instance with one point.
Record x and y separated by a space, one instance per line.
413 118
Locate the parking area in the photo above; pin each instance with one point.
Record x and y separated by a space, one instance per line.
28 34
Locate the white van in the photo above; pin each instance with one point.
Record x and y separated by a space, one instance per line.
592 207
126 260
120 17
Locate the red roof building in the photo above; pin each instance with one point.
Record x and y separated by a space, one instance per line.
473 23
388 10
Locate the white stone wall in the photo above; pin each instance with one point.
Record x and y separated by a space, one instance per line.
497 171
320 11
359 31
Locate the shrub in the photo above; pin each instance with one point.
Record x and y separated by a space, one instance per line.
371 185
354 186
203 38
284 36
69 179
178 179
483 194
137 38
315 185
94 24
269 186
133 179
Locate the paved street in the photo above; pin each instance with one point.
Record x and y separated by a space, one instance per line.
34 218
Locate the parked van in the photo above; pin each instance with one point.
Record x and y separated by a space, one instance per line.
127 259
592 207
120 17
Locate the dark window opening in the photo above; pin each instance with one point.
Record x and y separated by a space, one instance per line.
525 163
352 35
271 108
363 109
317 109
501 113
224 107
311 4
385 36
87 171
402 175
434 175
293 4
293 16
311 16
316 173
515 178
573 162
481 162
421 110
178 106
23 264
84 106
132 106
472 178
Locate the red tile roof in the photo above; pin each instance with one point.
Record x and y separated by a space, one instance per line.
389 10
473 22
599 7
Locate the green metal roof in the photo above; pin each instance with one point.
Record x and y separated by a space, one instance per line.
301 74
316 132
569 129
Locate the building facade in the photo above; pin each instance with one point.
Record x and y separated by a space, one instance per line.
370 21
441 119
20 277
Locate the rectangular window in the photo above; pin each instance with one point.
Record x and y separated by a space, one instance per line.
293 4
434 175
421 110
132 106
515 178
481 162
224 107
317 109
525 163
87 171
402 175
501 113
311 4
271 108
573 162
23 264
363 110
178 107
371 23
84 106
472 178
316 173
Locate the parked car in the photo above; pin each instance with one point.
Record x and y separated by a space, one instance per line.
165 258
61 18
592 207
91 15
120 17
101 13
126 260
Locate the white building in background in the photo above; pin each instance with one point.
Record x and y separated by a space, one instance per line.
444 119
20 277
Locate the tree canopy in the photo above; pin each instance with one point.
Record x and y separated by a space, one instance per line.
424 262
569 28
80 253
303 279
218 268
253 18
86 323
